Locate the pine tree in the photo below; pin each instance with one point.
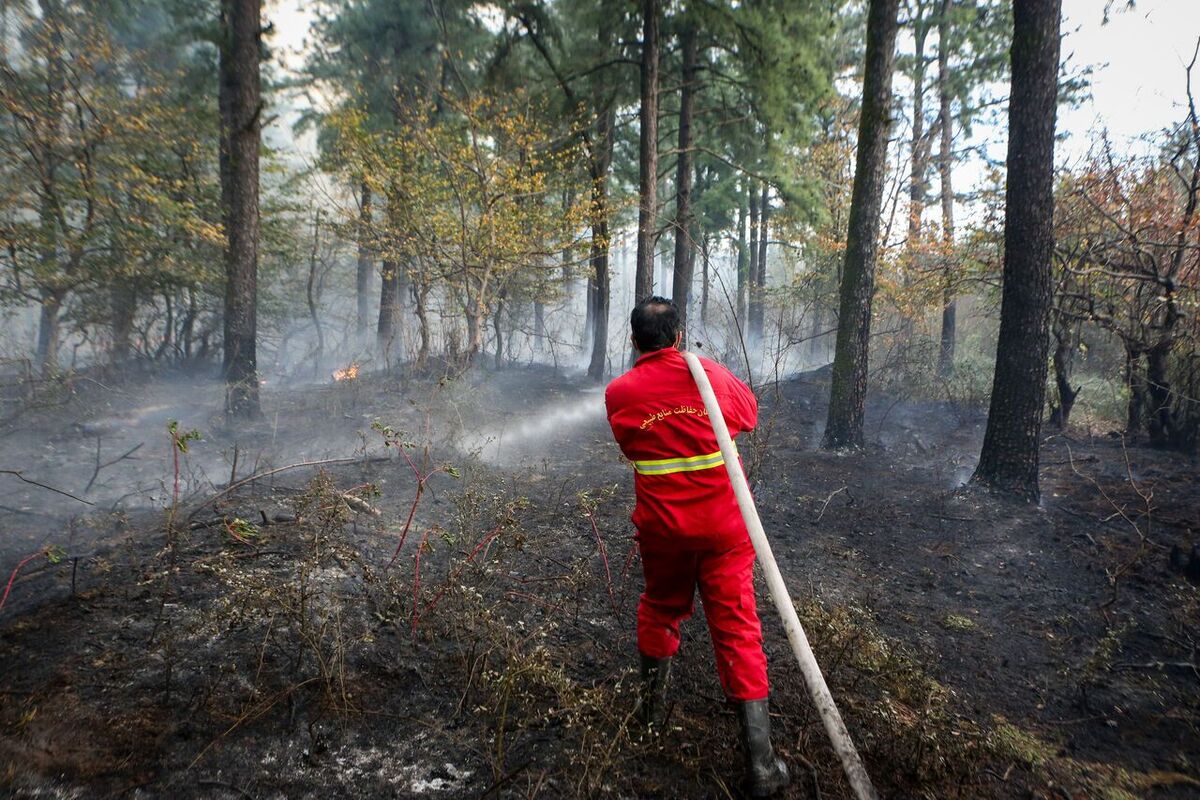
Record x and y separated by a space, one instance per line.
1009 459
648 151
242 120
685 251
844 425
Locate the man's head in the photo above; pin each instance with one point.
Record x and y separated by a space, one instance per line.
656 325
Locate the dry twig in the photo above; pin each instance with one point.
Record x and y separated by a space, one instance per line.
16 473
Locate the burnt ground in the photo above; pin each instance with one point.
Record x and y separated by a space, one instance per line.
269 641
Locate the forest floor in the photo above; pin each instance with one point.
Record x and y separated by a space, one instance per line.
280 640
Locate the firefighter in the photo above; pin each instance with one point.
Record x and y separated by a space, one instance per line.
689 529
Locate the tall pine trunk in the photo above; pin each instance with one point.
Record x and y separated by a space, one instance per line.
52 297
1009 459
648 152
243 105
918 177
363 275
743 262
847 399
600 163
759 280
752 298
681 288
310 292
945 366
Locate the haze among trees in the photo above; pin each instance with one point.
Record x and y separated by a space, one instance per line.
483 175
306 310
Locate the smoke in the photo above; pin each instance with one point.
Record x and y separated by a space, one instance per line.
537 432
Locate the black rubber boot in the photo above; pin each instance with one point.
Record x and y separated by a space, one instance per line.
653 697
765 774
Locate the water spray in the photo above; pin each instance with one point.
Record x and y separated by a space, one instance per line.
839 737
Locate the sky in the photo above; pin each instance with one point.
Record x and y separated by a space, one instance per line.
1137 59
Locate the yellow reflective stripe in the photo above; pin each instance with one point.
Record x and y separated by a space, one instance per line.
666 466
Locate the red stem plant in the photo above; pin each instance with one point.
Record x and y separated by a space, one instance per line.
452 578
48 552
422 473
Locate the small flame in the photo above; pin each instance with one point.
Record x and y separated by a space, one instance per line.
347 374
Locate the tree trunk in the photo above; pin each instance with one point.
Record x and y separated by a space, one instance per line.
847 399
945 366
499 333
589 302
918 166
743 264
600 162
1009 459
681 289
539 325
1064 351
420 301
48 205
310 292
705 243
475 323
168 326
1137 392
243 28
1159 418
648 152
666 269
389 305
187 331
123 304
363 276
759 280
49 327
752 297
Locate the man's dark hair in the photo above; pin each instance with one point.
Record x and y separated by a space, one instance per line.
655 322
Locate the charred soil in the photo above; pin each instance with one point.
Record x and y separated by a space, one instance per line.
447 610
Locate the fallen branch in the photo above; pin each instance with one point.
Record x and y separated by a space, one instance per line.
268 473
825 505
99 466
17 474
358 504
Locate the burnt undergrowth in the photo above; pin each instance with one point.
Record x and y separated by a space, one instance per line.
420 623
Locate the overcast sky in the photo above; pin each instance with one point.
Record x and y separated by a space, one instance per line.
1138 61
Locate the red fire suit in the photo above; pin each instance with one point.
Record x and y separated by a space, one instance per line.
689 529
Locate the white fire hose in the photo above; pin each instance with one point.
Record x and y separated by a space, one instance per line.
856 773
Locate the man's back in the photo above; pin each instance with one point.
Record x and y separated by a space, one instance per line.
684 498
